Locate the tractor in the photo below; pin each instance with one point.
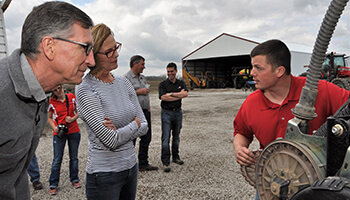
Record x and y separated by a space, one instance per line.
240 76
334 69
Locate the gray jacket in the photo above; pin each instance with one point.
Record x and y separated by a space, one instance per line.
23 117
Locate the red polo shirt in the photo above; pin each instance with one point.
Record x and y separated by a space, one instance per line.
59 110
267 121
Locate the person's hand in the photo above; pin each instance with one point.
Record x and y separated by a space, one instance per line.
56 129
183 93
109 124
144 91
137 121
245 157
69 119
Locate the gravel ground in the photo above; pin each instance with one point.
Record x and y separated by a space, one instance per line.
210 170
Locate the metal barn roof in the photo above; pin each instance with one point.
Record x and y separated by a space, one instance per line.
230 45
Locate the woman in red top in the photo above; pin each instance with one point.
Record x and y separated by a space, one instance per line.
61 115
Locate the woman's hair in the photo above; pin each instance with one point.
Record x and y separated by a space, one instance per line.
53 19
99 32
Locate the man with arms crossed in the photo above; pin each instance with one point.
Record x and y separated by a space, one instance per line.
56 48
171 92
137 65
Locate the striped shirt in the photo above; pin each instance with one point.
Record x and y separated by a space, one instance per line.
109 150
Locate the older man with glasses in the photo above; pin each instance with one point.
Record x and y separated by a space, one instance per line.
56 46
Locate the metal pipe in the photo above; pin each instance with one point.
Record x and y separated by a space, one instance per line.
305 109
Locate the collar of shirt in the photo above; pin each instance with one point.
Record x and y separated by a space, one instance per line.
293 95
34 86
131 73
25 83
169 82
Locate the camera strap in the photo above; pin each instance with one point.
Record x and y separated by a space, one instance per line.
67 105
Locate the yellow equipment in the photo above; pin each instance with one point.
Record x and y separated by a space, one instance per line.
201 83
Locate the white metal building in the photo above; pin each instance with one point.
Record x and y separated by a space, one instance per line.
225 53
3 40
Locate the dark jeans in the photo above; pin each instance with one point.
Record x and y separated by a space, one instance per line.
171 124
145 140
58 150
33 170
112 185
256 196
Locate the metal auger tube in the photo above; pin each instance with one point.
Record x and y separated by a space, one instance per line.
305 109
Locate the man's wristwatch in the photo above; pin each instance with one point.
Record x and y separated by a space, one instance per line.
171 94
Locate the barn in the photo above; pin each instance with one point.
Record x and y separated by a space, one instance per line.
218 63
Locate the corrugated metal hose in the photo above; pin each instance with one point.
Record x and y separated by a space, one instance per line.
305 109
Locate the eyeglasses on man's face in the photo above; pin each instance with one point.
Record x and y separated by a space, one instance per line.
110 52
87 47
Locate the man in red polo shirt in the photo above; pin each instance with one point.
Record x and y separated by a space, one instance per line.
265 112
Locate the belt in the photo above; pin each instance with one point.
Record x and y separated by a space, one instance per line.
173 109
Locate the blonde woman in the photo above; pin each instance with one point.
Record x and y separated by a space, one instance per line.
111 171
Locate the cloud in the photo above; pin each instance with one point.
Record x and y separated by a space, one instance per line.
165 31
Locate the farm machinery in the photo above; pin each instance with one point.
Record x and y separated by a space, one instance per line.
334 69
242 79
207 80
190 80
240 76
302 166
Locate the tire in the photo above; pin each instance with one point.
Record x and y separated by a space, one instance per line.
191 86
207 84
341 82
237 82
222 84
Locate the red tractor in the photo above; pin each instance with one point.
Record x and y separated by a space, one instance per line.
335 70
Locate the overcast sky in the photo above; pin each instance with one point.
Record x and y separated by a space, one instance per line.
165 31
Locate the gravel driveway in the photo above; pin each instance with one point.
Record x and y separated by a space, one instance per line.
210 170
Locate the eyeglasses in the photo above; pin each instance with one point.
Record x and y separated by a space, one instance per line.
109 53
87 47
58 88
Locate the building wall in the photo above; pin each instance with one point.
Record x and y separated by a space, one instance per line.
299 60
3 41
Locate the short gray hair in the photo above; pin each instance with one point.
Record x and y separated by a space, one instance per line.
54 19
137 59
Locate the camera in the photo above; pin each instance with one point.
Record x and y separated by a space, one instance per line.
62 129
